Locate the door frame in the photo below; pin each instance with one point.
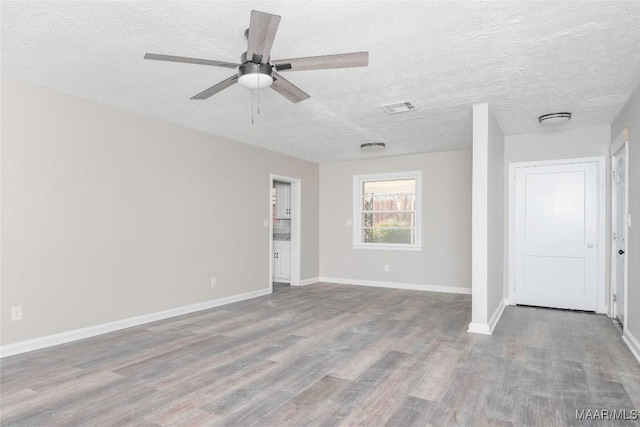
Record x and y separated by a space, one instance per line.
619 144
296 221
601 306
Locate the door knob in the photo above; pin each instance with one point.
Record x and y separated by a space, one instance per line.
589 245
621 252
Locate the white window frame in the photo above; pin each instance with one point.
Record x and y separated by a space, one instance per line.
358 181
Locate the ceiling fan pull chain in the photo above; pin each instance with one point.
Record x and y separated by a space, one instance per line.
252 92
258 94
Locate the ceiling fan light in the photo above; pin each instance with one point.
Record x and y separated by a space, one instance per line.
554 118
255 81
255 76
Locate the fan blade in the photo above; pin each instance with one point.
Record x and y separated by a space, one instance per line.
262 32
171 58
341 60
217 87
287 89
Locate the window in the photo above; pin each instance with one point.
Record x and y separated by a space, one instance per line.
386 211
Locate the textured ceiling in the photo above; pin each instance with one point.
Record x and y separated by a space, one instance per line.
523 58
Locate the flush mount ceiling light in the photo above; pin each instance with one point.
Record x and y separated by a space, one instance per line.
554 118
373 146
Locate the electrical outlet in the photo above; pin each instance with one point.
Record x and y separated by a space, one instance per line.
348 223
266 223
386 268
213 281
16 313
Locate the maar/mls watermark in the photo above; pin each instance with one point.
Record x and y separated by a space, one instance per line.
606 414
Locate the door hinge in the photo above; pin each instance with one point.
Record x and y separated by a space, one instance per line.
615 297
615 236
615 174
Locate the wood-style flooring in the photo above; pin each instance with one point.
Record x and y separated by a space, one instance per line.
330 355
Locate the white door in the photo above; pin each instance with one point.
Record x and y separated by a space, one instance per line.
283 200
284 256
619 235
281 261
555 236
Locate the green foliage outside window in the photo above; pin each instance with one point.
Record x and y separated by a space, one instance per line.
388 232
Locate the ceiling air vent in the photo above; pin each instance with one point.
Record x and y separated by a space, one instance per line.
400 107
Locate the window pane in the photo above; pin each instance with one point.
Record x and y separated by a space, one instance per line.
388 211
390 186
388 235
389 202
391 195
388 219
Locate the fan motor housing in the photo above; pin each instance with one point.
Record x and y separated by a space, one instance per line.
244 60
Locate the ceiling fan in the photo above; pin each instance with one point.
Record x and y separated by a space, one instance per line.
257 71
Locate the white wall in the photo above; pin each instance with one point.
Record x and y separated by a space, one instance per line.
592 141
487 220
630 117
108 215
445 259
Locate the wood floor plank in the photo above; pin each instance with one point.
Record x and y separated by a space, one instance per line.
437 373
311 405
358 363
382 402
329 355
180 414
412 412
46 401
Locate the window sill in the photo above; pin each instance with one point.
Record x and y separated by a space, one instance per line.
388 247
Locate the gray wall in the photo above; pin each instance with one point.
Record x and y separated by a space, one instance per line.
445 259
591 141
108 215
495 217
630 116
588 141
487 218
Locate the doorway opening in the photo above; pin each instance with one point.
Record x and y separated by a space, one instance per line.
284 230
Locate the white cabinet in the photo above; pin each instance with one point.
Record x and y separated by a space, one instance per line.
283 200
281 260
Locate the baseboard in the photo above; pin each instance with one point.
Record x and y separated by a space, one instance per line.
397 285
91 331
310 281
487 328
633 343
479 328
497 315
